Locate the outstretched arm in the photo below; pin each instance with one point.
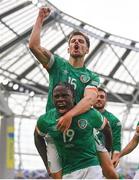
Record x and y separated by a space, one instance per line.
129 147
40 53
84 105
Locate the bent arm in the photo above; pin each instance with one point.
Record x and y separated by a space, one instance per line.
42 54
90 96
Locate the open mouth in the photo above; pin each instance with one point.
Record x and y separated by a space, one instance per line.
98 103
61 106
76 47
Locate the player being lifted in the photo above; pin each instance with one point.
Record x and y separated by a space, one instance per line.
76 147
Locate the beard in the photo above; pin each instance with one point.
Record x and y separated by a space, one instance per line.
99 107
76 56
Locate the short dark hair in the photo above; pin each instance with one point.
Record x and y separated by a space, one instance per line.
103 90
74 33
67 86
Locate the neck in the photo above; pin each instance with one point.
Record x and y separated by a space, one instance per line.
76 62
101 110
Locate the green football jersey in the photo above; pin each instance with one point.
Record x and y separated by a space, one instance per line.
62 71
76 148
116 129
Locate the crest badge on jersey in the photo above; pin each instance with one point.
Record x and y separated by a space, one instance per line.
82 123
65 72
84 78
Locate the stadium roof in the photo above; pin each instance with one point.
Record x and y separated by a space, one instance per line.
114 58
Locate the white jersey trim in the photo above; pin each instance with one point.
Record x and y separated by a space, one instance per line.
51 61
104 123
115 151
40 133
89 86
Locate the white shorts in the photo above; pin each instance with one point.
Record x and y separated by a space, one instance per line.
136 175
54 163
92 172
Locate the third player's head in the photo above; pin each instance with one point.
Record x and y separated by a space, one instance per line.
63 97
78 44
101 99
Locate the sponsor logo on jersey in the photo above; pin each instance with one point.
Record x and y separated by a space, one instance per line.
69 145
82 123
85 78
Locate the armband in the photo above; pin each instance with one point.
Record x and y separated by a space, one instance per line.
93 88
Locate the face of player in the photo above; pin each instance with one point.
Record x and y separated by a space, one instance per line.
78 46
101 100
63 99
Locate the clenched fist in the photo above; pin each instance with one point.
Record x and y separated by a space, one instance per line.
44 12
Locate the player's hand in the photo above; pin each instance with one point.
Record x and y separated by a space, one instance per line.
44 13
116 159
64 122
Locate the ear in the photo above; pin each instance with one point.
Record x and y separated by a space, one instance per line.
87 50
68 49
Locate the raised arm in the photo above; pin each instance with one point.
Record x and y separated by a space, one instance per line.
40 53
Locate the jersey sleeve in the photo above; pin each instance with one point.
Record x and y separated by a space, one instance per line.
56 63
41 125
51 62
98 120
94 82
116 134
